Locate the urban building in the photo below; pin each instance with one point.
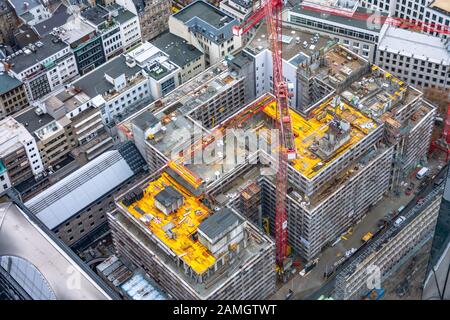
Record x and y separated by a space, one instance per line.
163 74
19 154
52 137
42 66
207 28
76 206
34 265
193 252
85 43
419 59
434 13
358 35
131 285
13 97
153 15
8 22
30 12
119 28
116 88
59 17
184 55
83 122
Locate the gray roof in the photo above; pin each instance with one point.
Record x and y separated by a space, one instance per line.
58 18
21 237
168 196
49 47
32 121
178 49
78 190
20 7
204 11
7 83
219 223
94 83
354 22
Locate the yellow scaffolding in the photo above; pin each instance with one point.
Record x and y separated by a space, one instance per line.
185 223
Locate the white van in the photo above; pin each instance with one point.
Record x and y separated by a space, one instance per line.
422 173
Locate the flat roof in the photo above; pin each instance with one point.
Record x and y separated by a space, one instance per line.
218 223
206 12
94 82
96 15
76 191
44 48
32 121
417 45
184 223
179 50
21 237
441 4
8 83
309 130
292 42
20 7
59 17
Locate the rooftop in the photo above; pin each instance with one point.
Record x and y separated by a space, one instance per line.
8 83
418 45
76 191
443 5
12 135
179 50
23 6
33 121
293 42
183 222
41 50
59 17
341 17
185 98
75 30
22 237
205 12
96 15
94 82
214 226
324 137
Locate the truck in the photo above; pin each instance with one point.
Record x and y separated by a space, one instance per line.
422 173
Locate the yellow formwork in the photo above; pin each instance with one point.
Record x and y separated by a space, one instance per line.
186 220
307 131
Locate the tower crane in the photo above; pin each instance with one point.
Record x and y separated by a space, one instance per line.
271 10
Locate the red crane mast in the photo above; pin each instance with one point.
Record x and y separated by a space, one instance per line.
271 10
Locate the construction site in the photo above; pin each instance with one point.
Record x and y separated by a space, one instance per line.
208 228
